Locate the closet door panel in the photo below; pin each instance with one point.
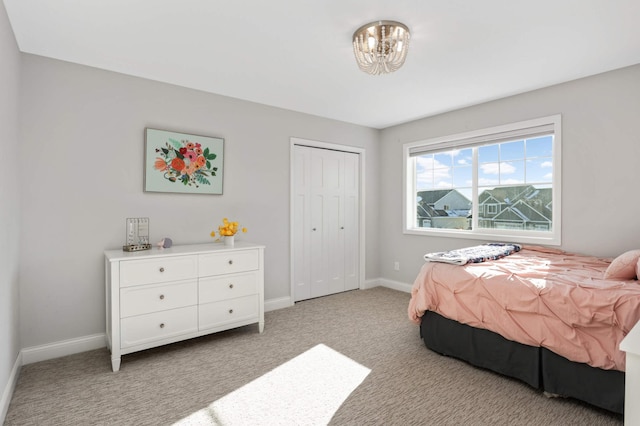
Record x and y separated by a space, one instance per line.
318 261
351 222
302 223
335 243
318 192
333 218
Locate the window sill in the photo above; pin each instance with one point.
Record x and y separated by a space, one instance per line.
547 239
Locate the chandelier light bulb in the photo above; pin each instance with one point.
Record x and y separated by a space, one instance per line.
371 41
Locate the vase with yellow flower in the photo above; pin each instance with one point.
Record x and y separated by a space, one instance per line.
227 231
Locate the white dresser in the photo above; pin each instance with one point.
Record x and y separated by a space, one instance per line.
155 297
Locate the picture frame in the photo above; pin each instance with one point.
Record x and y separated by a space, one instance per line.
183 163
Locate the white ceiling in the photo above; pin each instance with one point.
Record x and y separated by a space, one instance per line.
297 54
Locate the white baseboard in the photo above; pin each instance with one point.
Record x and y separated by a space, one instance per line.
383 282
370 284
395 285
8 390
63 348
279 303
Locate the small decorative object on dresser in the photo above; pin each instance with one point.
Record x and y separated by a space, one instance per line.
228 231
160 297
164 243
137 237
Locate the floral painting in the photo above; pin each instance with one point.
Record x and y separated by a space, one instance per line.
180 162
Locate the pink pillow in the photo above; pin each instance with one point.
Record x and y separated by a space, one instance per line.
624 266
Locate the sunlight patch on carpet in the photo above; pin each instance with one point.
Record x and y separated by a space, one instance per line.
307 390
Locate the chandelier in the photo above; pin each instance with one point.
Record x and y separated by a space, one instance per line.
381 47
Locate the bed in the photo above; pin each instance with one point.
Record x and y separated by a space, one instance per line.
544 316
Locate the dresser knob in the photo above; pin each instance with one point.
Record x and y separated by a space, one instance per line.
162 325
161 269
230 285
162 297
231 262
230 311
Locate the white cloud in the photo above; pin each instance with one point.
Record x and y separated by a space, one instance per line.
490 169
507 168
444 184
511 181
488 182
497 168
546 164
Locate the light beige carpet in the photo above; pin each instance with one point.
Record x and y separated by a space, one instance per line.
244 372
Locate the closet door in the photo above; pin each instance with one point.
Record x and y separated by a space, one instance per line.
326 237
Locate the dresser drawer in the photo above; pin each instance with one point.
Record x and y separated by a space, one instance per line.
159 270
216 288
144 299
147 328
228 262
228 311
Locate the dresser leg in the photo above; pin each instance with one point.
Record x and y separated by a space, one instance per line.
115 364
261 326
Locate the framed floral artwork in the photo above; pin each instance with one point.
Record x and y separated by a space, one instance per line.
184 163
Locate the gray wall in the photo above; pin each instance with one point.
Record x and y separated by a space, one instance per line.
10 188
600 154
82 130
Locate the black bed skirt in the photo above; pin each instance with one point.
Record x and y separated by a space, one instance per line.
535 366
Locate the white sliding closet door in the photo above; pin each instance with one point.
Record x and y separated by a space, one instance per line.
326 238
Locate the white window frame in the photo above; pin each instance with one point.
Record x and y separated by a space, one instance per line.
477 138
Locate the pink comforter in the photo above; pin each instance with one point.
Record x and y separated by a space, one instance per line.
539 297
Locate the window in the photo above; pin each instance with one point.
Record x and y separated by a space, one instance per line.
501 183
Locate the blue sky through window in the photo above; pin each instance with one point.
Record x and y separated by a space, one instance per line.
508 163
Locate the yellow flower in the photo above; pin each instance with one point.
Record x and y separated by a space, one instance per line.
228 229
